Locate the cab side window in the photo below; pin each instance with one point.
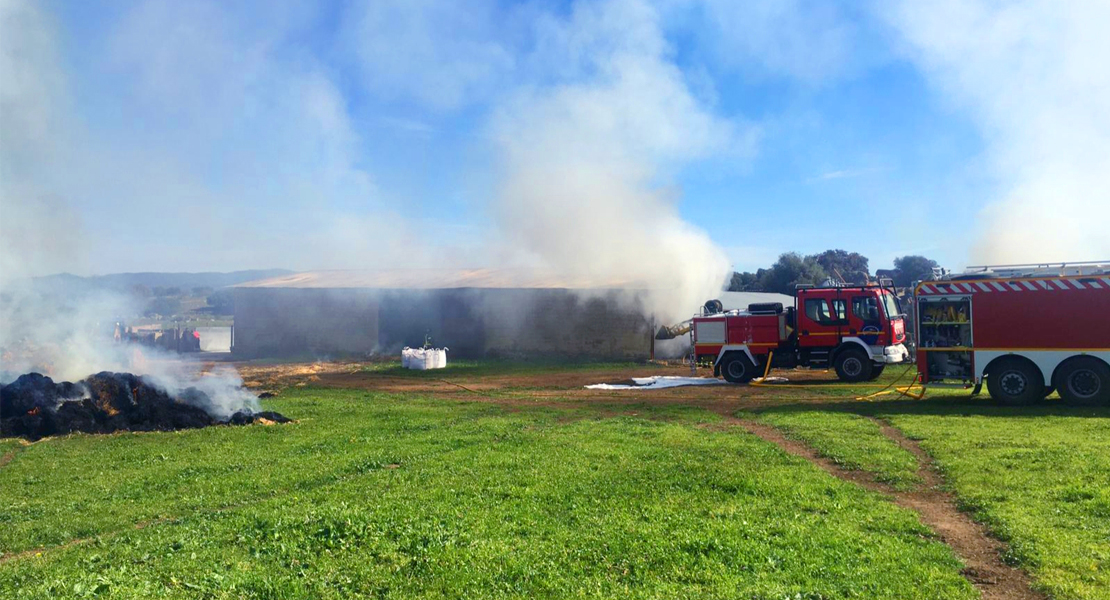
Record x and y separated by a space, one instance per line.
840 307
866 308
818 310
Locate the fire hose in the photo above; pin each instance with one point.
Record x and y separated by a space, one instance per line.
887 389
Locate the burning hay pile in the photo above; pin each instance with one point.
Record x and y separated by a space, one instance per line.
34 406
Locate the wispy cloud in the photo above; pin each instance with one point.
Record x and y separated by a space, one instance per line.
409 125
844 174
1033 76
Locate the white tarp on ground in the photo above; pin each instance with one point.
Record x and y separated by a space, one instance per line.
656 383
422 359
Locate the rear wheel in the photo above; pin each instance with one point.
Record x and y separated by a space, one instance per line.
1015 381
853 365
1084 381
736 368
876 371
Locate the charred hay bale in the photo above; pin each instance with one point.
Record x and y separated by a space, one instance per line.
77 416
241 417
270 415
244 417
108 402
113 393
31 425
162 413
34 390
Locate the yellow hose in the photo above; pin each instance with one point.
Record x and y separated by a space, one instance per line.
902 391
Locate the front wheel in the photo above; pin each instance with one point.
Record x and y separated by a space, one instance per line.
1084 381
876 371
1015 382
736 368
853 365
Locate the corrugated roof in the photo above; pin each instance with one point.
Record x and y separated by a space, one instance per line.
434 279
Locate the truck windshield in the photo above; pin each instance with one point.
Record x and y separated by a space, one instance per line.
890 305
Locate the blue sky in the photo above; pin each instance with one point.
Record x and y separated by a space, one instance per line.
212 135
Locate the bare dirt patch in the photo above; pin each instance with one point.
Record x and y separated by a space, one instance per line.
9 455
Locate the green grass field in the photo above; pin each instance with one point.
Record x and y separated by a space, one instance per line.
388 495
384 496
1039 477
852 441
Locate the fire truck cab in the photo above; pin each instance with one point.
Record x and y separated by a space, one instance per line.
857 330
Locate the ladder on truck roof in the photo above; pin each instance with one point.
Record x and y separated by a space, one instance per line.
1095 267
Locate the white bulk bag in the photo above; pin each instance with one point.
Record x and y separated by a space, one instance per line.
423 358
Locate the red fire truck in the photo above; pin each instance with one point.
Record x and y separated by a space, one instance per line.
858 330
1025 329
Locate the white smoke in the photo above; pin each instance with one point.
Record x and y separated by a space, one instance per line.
1033 75
249 155
586 160
71 336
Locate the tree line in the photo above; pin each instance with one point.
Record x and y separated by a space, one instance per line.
792 269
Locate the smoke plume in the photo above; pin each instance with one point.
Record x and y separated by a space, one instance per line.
585 161
239 150
1033 76
70 337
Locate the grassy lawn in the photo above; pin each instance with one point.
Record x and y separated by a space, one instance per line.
9 445
852 441
371 495
1039 477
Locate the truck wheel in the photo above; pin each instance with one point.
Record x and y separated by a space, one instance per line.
853 366
1015 382
876 371
737 368
1084 381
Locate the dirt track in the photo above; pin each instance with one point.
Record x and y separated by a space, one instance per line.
936 508
981 553
536 388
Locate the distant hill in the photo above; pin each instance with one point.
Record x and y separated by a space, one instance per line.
66 283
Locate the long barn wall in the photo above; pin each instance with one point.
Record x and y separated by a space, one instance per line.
471 322
284 322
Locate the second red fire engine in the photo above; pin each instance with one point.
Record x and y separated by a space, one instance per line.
857 330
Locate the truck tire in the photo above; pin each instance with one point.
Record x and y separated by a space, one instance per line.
736 368
853 365
876 371
1084 381
1015 381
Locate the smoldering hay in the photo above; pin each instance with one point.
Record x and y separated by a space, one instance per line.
34 406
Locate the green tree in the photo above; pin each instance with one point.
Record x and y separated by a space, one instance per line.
851 266
908 269
162 306
790 270
222 302
744 282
